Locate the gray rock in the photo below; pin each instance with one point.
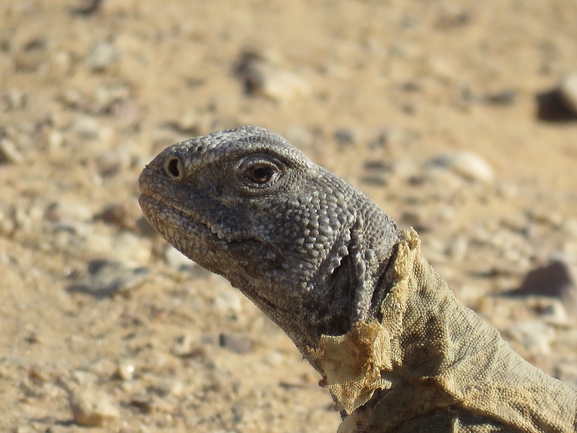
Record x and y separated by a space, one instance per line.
235 344
555 279
344 136
106 278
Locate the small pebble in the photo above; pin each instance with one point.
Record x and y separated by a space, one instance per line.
227 301
261 74
9 153
54 140
283 86
66 210
92 408
125 247
14 99
102 56
235 344
86 127
125 370
39 373
112 162
554 313
186 346
466 164
344 136
118 215
546 217
504 97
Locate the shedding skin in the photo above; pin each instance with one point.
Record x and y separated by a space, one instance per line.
396 349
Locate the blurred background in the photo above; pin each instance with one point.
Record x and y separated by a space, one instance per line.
458 118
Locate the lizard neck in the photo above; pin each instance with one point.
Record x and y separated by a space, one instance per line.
428 352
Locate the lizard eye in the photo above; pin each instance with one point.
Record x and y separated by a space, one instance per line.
260 173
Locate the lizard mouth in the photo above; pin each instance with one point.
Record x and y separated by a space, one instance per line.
173 214
177 225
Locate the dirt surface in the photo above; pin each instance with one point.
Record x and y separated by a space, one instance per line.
95 310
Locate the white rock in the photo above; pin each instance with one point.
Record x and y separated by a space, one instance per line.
125 370
568 92
466 164
282 86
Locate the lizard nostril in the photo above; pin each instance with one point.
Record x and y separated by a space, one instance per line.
173 168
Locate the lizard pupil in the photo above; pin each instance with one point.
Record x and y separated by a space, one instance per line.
260 173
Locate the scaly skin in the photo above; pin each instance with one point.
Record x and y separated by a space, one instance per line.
350 289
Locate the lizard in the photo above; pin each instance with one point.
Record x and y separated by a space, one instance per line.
395 348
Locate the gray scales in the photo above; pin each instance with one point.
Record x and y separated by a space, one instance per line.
396 349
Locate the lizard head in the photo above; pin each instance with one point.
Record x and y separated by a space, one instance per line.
306 247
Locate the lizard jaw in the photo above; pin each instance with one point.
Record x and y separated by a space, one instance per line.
158 212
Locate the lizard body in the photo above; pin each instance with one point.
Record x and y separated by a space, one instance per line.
396 349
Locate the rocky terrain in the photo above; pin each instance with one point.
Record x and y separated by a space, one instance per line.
458 118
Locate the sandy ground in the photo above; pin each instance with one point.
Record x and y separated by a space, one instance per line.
95 307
